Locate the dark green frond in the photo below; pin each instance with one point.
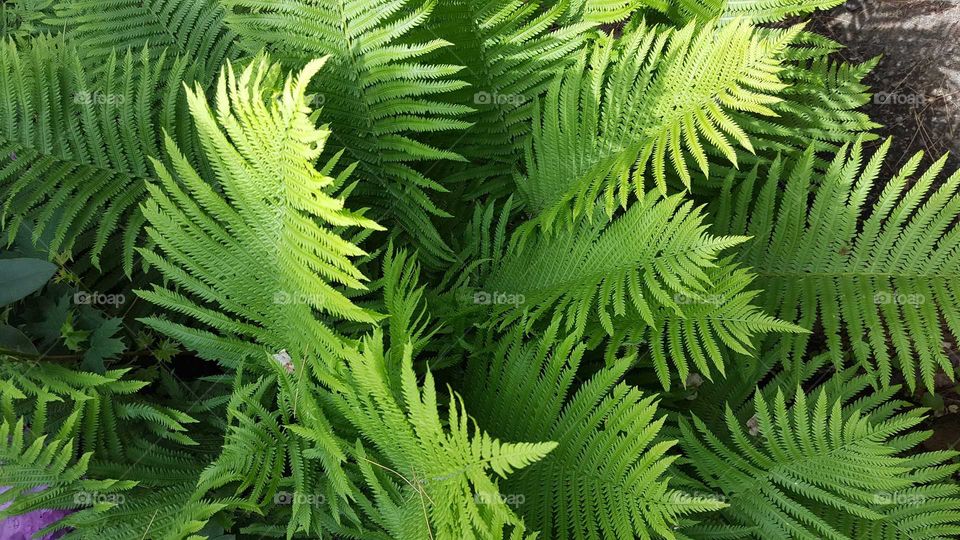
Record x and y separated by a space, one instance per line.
193 29
879 277
75 150
815 468
606 477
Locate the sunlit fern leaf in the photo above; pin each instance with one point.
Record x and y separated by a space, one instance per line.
256 264
510 51
880 279
649 277
436 479
606 478
75 151
756 11
647 103
193 29
818 468
380 93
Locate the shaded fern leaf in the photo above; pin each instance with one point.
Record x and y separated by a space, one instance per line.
880 279
99 412
606 477
193 29
510 51
75 150
819 468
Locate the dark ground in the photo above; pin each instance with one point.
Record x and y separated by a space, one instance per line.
917 86
917 82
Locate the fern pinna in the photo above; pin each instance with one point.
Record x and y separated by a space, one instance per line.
464 269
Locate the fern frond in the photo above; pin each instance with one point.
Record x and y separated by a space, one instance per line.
880 278
651 274
193 29
100 412
708 332
655 99
817 468
380 93
75 150
256 262
436 480
510 51
605 478
755 11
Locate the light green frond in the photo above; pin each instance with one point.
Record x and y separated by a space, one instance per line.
647 105
259 261
437 479
601 268
756 11
380 92
710 332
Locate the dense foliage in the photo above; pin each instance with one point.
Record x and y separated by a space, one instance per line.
454 269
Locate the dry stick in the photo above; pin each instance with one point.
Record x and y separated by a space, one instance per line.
418 487
149 524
